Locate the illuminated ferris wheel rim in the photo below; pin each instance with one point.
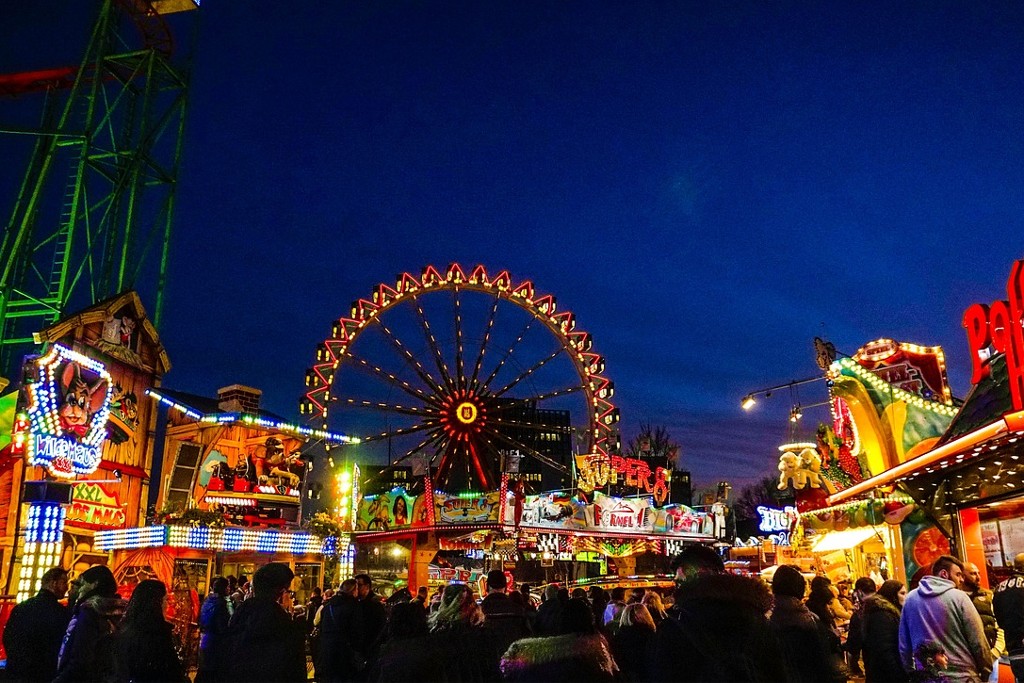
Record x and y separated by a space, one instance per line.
589 366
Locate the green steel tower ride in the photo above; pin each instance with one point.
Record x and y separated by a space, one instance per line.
93 214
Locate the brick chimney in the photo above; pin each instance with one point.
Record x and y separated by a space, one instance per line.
238 398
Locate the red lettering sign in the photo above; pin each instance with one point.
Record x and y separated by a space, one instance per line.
1000 326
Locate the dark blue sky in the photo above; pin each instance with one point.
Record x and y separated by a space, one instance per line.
707 186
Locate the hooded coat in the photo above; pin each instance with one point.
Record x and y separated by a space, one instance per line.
939 612
87 653
806 650
717 631
266 643
880 641
568 658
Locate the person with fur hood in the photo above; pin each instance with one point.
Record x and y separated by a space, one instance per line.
87 653
717 630
880 634
580 653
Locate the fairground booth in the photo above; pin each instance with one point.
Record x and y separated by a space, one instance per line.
889 403
968 482
81 447
232 481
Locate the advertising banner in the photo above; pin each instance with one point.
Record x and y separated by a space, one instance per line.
476 509
395 509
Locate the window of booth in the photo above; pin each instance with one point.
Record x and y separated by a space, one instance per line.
307 577
1002 535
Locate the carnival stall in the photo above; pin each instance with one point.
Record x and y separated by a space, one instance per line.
968 484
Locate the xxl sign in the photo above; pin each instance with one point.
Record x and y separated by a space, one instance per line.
999 326
95 506
68 407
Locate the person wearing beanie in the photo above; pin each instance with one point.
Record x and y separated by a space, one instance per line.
267 644
87 651
800 634
503 617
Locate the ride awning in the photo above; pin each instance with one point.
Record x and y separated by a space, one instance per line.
846 539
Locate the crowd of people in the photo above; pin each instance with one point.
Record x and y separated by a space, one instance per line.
716 626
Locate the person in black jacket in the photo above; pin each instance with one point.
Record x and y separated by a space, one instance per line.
371 617
506 619
806 652
880 634
862 590
214 617
266 643
336 655
1008 606
144 647
35 630
87 653
717 630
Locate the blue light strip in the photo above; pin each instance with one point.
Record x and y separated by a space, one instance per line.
227 539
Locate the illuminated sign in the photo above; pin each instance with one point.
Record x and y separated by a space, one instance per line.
69 404
999 326
597 470
466 413
774 519
95 506
44 540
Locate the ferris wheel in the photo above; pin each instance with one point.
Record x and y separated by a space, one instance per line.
460 370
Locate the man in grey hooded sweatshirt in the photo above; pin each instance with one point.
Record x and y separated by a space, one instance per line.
938 611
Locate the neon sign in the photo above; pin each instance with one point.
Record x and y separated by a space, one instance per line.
597 470
69 404
1000 326
774 519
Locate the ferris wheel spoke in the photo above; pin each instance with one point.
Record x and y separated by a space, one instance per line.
410 359
547 460
434 346
399 432
392 379
536 426
388 407
483 344
460 369
529 371
433 437
516 402
508 353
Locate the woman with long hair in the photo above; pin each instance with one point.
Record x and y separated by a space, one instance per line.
457 610
880 629
652 601
144 648
631 642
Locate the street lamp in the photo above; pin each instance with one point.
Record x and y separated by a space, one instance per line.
748 402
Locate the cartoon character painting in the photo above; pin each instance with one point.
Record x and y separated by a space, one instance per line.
272 461
81 400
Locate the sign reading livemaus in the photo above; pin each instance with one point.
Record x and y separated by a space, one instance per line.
68 408
999 326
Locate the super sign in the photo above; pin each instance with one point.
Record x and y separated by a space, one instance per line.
69 404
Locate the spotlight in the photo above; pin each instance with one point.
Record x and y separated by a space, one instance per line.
795 414
748 402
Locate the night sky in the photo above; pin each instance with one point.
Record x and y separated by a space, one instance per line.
707 186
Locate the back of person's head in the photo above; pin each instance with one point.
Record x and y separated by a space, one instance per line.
421 592
551 592
146 607
106 586
347 587
53 576
618 594
696 561
637 614
518 598
578 617
271 579
789 582
652 600
563 595
407 620
496 580
821 590
865 585
945 563
578 593
637 595
457 607
1018 562
219 586
890 590
316 591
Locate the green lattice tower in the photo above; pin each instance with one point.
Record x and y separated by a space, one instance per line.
94 211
